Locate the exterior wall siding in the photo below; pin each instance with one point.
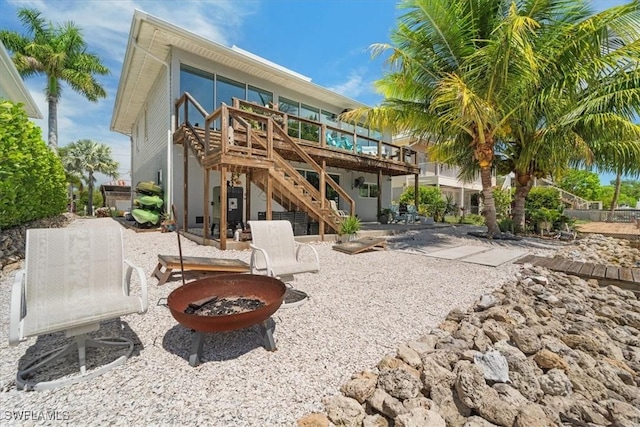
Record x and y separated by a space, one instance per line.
149 136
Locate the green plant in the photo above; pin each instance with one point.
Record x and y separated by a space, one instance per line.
472 219
32 181
350 225
424 210
426 195
502 199
506 225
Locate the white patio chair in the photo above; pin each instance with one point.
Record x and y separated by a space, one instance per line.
277 254
73 279
339 212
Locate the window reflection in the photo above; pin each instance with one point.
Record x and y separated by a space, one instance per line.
200 85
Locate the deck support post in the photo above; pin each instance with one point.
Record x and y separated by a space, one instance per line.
416 187
223 207
185 185
205 210
380 181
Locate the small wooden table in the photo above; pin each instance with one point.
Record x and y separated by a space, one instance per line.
192 263
361 245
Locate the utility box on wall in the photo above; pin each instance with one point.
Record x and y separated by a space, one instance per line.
235 207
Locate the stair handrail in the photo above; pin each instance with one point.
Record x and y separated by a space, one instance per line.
185 99
567 194
269 115
315 166
292 172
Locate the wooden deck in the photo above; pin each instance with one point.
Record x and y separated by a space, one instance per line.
625 278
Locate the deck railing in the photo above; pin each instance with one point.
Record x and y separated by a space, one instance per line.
314 133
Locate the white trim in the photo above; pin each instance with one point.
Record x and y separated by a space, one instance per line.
13 85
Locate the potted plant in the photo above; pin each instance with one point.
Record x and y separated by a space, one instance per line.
349 227
384 215
425 215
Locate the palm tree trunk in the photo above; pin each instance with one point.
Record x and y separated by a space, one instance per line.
523 186
616 195
53 122
90 190
489 208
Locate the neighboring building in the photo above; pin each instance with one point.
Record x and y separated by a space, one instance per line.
274 138
116 194
12 87
465 194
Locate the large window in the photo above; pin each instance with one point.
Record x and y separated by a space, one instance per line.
368 190
259 96
308 131
212 90
314 179
200 85
227 89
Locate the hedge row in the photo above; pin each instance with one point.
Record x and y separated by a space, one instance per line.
32 179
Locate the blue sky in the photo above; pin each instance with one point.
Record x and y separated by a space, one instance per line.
326 40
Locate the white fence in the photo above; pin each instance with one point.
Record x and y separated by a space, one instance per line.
619 215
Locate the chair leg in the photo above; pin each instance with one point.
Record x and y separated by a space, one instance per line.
80 343
197 342
267 327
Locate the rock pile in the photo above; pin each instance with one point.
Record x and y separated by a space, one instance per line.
546 349
12 240
598 249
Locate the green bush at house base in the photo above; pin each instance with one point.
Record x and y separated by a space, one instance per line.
32 180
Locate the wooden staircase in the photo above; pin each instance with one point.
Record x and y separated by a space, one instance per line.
289 188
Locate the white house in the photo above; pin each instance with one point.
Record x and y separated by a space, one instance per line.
12 87
230 136
446 178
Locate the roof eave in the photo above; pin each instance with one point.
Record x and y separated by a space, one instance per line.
14 85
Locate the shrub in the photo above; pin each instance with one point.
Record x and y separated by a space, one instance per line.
473 219
426 195
543 205
506 225
83 200
32 180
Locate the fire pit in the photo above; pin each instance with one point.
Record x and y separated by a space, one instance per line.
226 303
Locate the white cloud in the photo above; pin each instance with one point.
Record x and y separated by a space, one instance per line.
105 26
353 87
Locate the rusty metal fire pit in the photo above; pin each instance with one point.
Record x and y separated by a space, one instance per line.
268 290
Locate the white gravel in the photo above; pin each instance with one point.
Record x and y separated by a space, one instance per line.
361 308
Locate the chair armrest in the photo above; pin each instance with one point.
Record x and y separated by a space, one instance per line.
144 298
299 246
252 261
18 309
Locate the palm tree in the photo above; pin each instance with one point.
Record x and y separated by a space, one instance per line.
582 111
454 69
60 53
89 157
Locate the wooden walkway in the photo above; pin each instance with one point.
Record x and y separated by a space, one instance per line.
625 278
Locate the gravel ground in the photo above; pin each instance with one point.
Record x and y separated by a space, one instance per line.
361 308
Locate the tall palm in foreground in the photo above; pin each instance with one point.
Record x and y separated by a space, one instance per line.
59 53
88 158
455 68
